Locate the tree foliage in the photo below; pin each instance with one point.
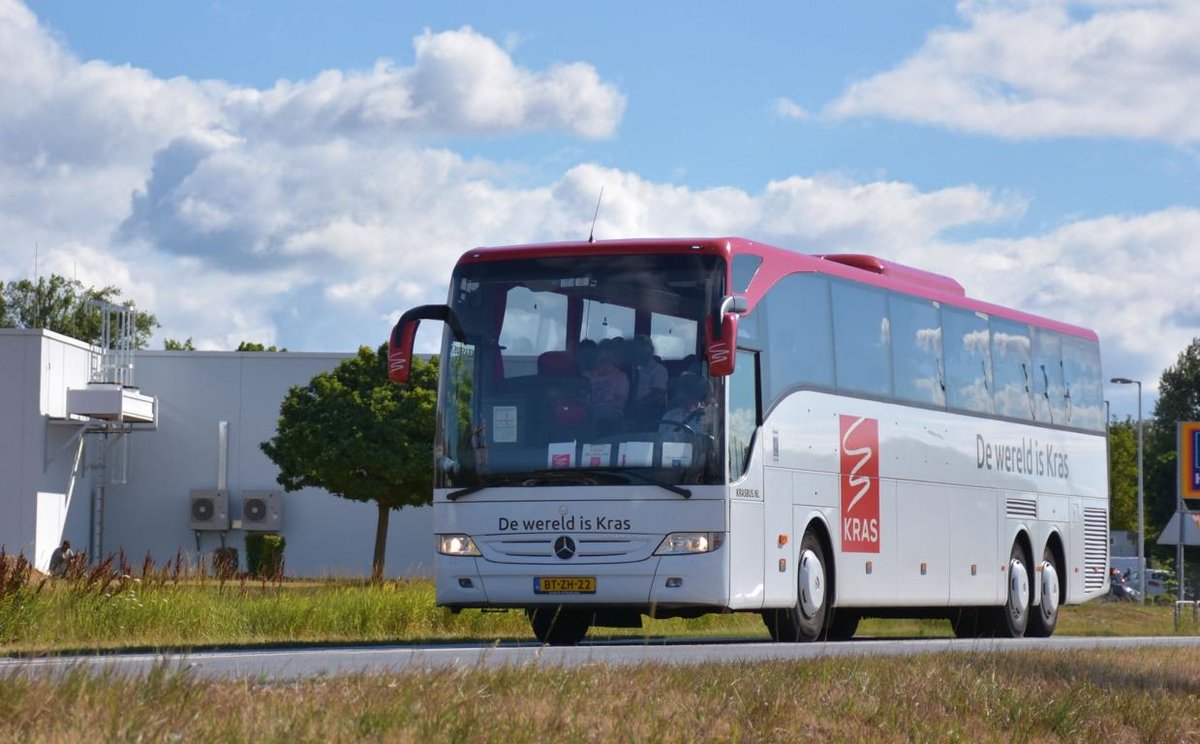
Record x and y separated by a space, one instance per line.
1178 400
1122 470
174 344
254 346
355 434
66 306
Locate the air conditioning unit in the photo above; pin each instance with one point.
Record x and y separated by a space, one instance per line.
262 511
209 510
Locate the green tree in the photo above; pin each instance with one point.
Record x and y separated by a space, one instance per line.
253 346
1122 474
65 306
173 344
1178 400
355 434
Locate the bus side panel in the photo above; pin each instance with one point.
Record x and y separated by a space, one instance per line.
870 579
747 551
780 540
923 555
974 571
746 554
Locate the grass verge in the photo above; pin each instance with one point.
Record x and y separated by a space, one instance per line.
107 607
1147 695
153 613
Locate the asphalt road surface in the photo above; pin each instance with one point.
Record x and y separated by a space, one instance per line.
295 663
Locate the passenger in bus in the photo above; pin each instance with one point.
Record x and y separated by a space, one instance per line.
690 395
648 385
610 391
587 356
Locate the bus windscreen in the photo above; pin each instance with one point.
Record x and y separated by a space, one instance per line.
581 370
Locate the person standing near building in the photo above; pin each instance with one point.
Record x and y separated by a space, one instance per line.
60 559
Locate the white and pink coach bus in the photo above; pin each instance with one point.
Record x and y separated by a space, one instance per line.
679 427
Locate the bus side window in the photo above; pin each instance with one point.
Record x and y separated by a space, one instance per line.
795 320
745 266
1083 383
1049 394
862 339
917 350
1012 367
968 360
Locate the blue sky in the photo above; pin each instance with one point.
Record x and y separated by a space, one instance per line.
300 172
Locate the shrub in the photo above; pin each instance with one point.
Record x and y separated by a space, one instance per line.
225 563
264 555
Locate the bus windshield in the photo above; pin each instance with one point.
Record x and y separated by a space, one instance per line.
583 370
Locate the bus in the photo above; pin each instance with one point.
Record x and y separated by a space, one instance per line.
674 427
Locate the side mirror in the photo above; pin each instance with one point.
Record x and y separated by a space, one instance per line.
400 344
721 339
719 346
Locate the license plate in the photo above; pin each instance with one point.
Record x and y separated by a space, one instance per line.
564 585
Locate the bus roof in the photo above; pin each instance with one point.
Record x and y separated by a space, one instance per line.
778 263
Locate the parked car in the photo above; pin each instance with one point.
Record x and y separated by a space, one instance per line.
1156 581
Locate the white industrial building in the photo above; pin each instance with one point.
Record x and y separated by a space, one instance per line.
113 450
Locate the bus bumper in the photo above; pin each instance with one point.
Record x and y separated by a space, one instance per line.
657 582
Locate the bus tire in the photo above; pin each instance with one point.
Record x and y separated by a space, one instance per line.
843 624
967 622
558 625
805 621
1011 620
1043 617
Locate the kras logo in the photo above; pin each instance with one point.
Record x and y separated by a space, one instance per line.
860 484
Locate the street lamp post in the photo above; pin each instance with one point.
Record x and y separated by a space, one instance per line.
1141 509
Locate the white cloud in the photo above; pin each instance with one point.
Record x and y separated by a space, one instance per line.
1039 68
461 83
235 213
785 108
1130 278
230 226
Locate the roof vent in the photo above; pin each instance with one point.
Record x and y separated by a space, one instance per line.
899 272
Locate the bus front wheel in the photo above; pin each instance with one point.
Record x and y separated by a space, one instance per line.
558 626
1011 620
806 620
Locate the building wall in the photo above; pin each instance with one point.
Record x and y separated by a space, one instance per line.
325 535
44 484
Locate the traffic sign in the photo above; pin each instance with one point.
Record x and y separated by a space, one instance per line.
1191 529
1189 459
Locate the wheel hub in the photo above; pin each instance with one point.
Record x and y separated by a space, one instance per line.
1018 587
812 583
1049 589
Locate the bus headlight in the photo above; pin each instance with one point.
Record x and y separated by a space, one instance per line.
456 545
678 543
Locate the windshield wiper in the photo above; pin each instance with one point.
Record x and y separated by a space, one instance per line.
456 495
641 477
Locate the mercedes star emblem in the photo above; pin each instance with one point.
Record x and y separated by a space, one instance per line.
564 547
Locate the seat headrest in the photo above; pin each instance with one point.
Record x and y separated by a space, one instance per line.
556 364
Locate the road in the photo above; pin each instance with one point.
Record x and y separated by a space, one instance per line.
293 663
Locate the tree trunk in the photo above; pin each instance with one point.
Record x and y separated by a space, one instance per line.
381 530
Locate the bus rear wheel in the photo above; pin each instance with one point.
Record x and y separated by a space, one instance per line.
806 620
559 626
1043 617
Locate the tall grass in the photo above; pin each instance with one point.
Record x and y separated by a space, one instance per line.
1149 695
116 604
